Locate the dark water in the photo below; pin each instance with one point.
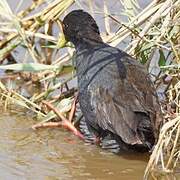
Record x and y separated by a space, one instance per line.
57 154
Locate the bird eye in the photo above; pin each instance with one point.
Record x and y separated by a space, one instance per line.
66 25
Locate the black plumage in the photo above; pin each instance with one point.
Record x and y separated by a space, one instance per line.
116 95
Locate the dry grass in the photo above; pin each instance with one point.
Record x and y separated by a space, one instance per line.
153 34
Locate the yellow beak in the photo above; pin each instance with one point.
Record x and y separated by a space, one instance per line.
62 41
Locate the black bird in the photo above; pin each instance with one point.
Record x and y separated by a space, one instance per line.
116 95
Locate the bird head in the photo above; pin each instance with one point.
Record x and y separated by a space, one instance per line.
78 26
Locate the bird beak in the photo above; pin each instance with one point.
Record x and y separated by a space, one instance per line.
62 40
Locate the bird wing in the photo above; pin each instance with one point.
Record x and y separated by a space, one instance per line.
116 105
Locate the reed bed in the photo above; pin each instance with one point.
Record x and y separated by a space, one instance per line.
151 35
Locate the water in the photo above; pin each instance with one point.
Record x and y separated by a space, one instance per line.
57 154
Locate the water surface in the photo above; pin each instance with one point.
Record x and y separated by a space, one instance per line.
57 154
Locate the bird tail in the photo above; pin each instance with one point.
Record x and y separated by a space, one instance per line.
146 132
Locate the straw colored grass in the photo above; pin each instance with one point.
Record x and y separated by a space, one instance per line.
153 36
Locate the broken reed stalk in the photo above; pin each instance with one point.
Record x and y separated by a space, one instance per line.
151 23
140 19
33 23
166 152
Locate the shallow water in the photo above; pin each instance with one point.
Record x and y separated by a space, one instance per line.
57 154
